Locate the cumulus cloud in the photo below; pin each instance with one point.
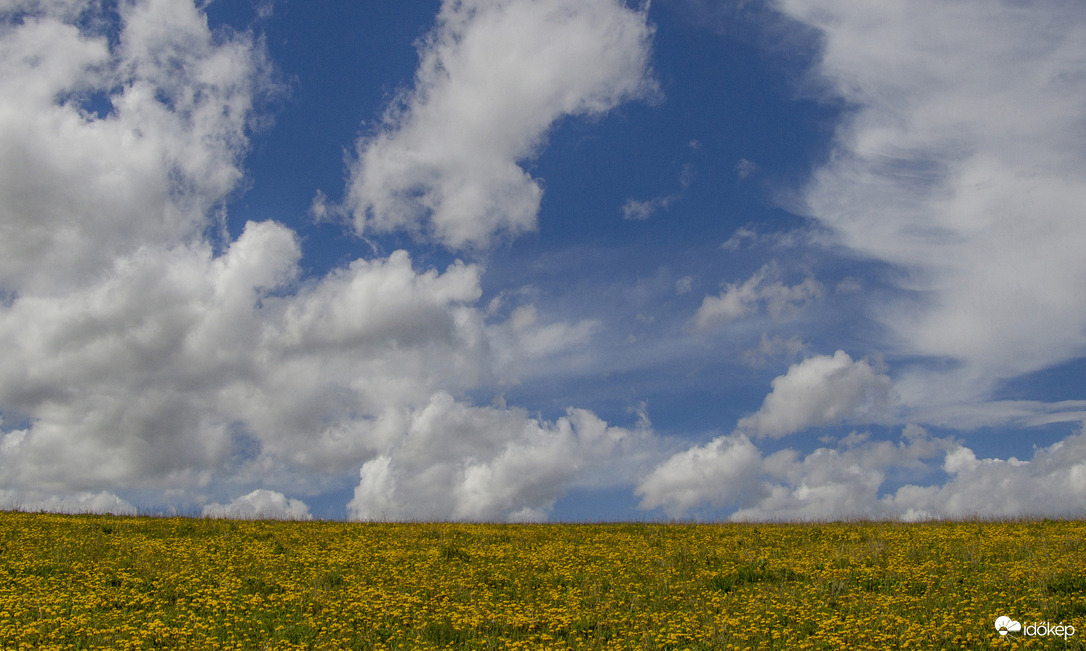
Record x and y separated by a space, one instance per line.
483 463
821 390
721 473
739 300
840 482
260 505
1052 483
102 257
961 163
143 356
729 470
836 483
849 480
829 483
493 77
80 190
147 353
182 365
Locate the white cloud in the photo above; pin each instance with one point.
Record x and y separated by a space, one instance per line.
260 505
847 481
493 78
739 300
831 484
736 302
378 301
119 324
988 413
67 9
638 210
821 390
32 501
523 346
1052 483
962 163
120 381
849 285
484 463
180 361
772 347
136 357
634 210
730 470
139 356
842 482
78 190
740 236
144 358
721 473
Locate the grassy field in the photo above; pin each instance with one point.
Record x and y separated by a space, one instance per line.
79 582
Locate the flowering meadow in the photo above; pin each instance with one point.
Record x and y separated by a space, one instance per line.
82 582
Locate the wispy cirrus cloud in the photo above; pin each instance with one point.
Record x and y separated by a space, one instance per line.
158 353
960 164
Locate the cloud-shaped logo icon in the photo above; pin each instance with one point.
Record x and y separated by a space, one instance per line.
1006 625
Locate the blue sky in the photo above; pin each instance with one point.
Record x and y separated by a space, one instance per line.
543 259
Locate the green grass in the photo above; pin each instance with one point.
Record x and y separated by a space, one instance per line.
82 582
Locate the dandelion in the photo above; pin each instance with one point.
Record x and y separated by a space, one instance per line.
174 583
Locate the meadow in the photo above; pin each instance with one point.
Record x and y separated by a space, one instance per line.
83 582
